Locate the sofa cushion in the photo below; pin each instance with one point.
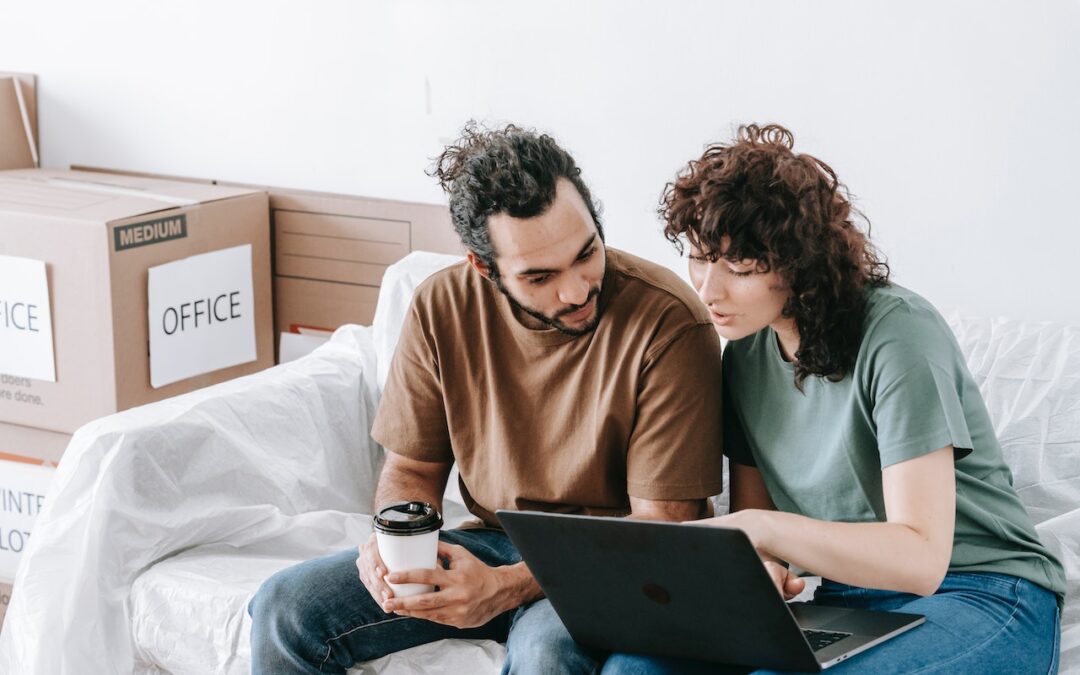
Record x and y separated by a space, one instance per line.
189 617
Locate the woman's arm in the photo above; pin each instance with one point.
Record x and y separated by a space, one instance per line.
748 492
909 553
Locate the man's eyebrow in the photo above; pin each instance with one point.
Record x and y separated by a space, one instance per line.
540 270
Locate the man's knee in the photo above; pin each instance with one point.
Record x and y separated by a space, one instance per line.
273 608
539 643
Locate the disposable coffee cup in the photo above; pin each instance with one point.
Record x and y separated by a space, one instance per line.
408 537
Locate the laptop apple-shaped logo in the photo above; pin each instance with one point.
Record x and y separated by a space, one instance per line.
656 593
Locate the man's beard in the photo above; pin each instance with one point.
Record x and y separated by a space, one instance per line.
553 321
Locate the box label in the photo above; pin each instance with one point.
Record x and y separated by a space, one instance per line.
26 337
22 496
149 232
202 315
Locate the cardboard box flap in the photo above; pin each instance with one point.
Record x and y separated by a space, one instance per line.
28 87
18 148
101 197
162 188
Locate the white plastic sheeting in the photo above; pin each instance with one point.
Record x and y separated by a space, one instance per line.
267 463
1029 375
395 296
164 519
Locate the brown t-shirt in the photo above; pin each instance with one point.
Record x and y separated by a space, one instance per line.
541 420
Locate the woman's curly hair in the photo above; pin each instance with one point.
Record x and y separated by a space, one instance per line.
510 170
789 212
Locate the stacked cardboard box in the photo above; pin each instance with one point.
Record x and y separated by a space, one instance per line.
115 292
23 486
331 250
120 320
18 444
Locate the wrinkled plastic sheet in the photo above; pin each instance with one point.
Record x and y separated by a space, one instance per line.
267 462
1029 375
395 296
189 612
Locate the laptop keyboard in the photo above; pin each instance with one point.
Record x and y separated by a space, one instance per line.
820 639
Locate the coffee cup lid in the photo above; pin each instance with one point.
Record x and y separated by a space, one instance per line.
408 518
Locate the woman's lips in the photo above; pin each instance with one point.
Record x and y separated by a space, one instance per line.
721 319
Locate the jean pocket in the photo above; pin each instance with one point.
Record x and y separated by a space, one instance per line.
1055 657
999 584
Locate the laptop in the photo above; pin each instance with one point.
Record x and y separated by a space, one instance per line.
685 591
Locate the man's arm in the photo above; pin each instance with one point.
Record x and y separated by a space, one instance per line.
673 511
402 479
471 593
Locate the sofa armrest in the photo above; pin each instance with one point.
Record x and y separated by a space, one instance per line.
237 463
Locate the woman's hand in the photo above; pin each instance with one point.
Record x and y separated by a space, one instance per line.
754 523
787 582
750 521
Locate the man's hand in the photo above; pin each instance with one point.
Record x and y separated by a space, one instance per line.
787 583
372 570
470 593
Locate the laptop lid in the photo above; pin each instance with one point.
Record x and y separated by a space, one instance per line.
656 588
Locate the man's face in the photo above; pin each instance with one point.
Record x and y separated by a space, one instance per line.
552 265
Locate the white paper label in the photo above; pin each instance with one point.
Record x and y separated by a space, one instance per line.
22 495
202 315
293 346
26 337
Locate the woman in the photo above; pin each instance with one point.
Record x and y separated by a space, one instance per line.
860 448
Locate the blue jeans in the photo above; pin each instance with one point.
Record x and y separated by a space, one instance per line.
317 617
976 623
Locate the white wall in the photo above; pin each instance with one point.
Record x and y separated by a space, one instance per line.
954 123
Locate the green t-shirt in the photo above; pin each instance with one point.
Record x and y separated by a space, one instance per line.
821 451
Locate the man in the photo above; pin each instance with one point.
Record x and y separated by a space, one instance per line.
558 374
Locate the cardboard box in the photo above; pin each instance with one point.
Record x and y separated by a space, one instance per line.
18 121
23 486
31 446
331 250
27 459
102 241
5 599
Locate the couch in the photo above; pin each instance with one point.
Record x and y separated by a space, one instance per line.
163 520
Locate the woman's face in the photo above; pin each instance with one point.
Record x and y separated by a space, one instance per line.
741 299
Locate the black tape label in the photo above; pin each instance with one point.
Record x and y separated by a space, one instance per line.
149 232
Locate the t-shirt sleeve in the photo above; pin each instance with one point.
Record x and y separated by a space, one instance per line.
411 419
675 447
914 380
736 446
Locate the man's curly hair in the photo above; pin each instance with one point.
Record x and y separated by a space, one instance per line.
789 212
510 170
